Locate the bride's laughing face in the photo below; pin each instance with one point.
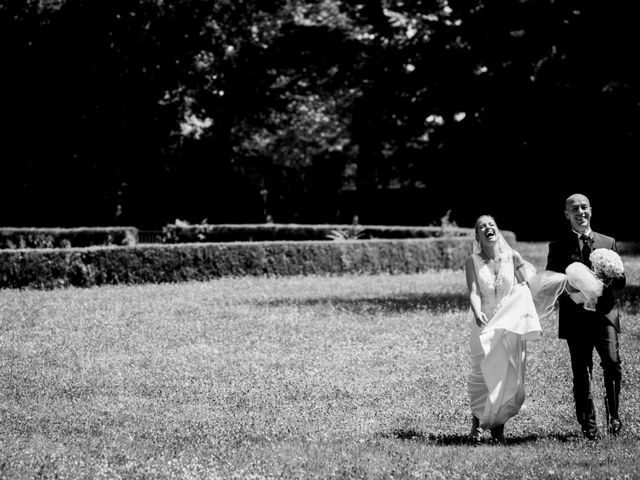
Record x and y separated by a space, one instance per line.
487 230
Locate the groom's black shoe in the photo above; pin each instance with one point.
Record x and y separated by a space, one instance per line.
615 425
497 435
590 433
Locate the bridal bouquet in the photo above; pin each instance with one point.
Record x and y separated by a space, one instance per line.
606 264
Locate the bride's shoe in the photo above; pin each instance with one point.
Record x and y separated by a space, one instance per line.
475 433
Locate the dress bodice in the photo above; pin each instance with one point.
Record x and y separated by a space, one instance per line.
494 289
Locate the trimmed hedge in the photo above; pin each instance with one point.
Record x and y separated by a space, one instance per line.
85 267
11 238
184 233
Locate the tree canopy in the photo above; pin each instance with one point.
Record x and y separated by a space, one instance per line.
141 112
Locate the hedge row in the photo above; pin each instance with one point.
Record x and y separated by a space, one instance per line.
11 238
51 268
185 233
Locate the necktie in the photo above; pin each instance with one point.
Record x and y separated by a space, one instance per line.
586 249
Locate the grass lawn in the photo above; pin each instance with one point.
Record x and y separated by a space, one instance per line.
299 377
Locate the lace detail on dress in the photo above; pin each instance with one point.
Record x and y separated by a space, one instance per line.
494 289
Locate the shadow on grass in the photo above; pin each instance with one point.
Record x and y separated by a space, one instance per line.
628 248
629 299
445 440
440 302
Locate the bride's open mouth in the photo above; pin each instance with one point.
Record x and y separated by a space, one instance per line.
490 234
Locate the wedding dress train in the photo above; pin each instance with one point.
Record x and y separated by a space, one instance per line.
498 350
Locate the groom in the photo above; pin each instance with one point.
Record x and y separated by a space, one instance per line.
585 330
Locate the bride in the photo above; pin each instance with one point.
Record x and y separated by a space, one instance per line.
502 318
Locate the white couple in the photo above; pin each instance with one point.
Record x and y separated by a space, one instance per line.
507 300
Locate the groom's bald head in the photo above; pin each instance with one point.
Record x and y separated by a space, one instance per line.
576 198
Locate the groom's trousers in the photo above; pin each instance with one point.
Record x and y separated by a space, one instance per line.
603 337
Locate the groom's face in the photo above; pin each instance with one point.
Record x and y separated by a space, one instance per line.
578 212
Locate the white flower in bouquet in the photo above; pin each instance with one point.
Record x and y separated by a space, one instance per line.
606 264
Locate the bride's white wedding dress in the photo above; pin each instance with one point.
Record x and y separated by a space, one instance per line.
498 350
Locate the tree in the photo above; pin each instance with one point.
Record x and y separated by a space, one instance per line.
144 112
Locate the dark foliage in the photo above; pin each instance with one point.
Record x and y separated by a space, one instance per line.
13 238
138 113
182 233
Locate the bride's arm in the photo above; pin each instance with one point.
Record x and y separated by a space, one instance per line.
474 296
523 269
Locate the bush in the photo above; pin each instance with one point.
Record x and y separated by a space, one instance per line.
51 268
182 232
11 238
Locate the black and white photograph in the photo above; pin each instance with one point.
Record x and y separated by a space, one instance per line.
319 239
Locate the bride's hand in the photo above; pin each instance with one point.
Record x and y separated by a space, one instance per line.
482 320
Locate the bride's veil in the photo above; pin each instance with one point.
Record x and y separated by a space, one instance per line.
546 286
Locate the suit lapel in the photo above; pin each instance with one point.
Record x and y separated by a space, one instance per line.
598 241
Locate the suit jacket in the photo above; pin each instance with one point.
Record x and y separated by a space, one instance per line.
572 317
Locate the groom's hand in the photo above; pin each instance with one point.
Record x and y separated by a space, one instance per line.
616 283
570 289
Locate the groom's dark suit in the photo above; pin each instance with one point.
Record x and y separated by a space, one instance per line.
585 330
